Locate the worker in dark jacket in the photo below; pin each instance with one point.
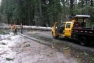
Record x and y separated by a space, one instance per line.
83 24
15 28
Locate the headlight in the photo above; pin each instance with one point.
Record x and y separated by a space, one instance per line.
55 27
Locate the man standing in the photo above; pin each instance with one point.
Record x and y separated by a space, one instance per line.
15 28
21 26
11 26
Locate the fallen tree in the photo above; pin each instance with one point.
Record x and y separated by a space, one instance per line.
29 28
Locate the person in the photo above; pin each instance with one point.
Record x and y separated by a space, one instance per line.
76 23
55 24
83 24
11 27
21 27
15 28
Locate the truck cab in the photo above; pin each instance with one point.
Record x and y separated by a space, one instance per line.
64 29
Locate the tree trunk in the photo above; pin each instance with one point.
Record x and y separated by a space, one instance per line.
86 2
92 3
40 10
82 3
71 7
64 10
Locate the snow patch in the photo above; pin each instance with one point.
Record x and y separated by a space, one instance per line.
7 42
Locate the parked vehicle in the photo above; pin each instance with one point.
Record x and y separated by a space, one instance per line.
75 29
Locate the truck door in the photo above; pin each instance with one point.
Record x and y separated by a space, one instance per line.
68 29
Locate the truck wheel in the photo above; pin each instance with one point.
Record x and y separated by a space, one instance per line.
55 37
83 41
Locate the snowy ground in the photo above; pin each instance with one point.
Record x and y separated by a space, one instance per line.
18 49
7 43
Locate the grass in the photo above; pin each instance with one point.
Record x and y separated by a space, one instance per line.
92 58
9 38
3 32
51 53
9 59
86 54
3 43
27 45
66 48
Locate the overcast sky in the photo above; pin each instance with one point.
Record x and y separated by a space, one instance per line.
0 1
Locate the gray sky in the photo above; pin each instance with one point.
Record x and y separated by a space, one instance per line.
0 0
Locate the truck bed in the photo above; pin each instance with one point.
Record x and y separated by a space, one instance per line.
84 31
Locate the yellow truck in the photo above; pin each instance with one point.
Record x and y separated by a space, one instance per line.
75 29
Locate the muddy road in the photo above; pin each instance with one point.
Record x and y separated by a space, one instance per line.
47 35
69 47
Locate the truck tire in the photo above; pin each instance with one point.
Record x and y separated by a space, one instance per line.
83 41
55 37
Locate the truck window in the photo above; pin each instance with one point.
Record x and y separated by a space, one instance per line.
62 25
68 25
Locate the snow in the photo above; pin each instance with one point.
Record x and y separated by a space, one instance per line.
7 42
